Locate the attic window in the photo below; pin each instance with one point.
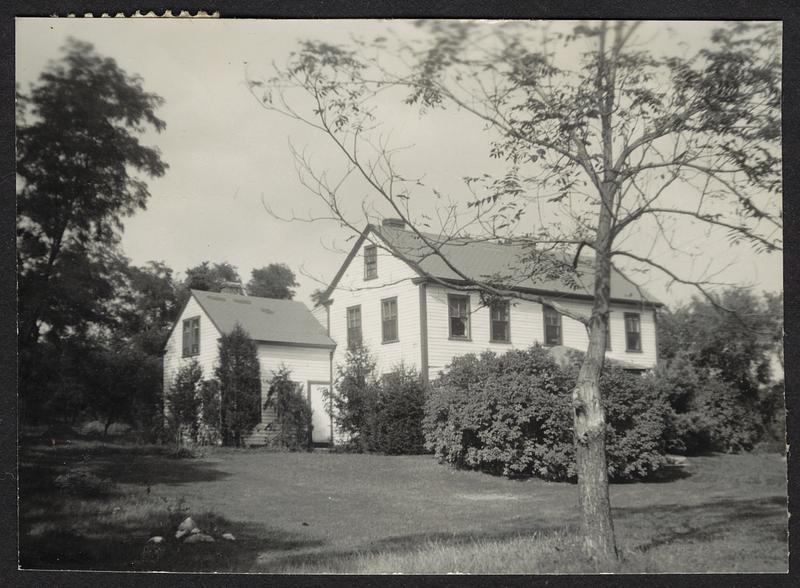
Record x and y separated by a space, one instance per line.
267 311
191 336
242 301
220 298
370 262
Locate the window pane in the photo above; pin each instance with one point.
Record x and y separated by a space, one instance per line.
459 315
389 319
633 336
499 321
552 326
370 261
354 326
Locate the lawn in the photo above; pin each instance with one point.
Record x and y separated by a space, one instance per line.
330 512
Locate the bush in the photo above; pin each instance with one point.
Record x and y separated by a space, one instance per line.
239 379
707 413
293 414
184 402
396 424
511 414
354 398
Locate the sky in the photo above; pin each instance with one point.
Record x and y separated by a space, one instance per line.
228 156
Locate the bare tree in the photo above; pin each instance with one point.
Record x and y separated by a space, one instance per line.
604 136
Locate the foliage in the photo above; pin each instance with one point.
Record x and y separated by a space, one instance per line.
78 145
395 427
717 372
210 277
275 280
293 413
183 403
354 396
239 376
511 414
210 428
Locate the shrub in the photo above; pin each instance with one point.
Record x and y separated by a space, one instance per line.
293 414
184 402
511 414
239 376
210 427
707 413
396 426
354 397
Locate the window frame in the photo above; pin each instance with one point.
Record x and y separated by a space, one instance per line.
370 251
467 336
384 320
492 337
550 310
193 324
638 317
350 342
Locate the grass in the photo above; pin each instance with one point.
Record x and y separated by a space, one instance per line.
345 513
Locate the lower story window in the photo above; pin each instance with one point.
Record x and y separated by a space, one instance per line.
458 312
354 326
633 332
389 320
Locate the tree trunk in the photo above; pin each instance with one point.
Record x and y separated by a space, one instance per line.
592 470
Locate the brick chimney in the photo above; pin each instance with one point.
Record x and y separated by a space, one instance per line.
395 223
232 288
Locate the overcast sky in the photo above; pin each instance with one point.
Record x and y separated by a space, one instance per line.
227 154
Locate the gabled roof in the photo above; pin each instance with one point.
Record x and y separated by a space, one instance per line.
481 259
268 320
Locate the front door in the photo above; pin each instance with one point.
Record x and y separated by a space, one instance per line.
320 418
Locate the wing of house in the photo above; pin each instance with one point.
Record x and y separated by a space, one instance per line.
384 297
285 332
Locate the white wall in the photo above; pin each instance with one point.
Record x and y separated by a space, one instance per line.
527 328
173 351
394 279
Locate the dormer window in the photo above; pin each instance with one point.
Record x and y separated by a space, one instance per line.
370 262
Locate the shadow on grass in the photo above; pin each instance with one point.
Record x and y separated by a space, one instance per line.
141 465
757 518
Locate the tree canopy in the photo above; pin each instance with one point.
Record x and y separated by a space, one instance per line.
275 280
80 165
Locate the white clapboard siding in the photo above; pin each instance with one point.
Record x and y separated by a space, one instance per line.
394 280
173 351
527 328
306 364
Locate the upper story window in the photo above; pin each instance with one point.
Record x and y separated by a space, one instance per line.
499 325
389 320
458 311
552 326
370 262
191 336
353 326
633 332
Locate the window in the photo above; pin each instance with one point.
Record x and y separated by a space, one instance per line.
552 326
458 311
353 326
608 336
633 332
370 262
191 336
389 320
499 324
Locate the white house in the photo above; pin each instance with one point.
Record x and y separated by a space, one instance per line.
286 334
382 301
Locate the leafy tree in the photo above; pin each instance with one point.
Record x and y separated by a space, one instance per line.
292 410
317 296
210 277
275 280
612 141
78 147
239 377
184 401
